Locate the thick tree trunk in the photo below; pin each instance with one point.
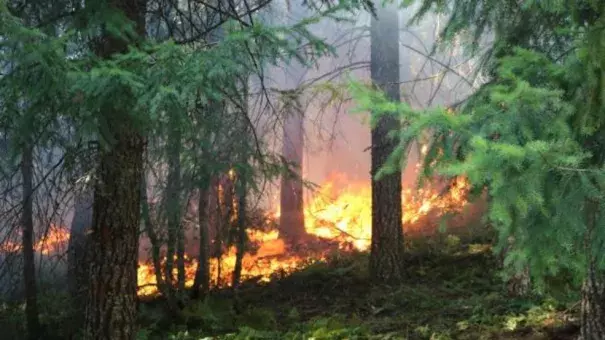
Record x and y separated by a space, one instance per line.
217 222
593 291
112 294
240 232
110 312
386 259
153 238
180 259
292 218
27 232
519 284
201 283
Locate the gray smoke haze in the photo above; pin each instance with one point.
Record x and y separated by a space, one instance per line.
337 141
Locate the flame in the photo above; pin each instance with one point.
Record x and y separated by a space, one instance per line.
53 241
346 215
268 260
337 212
340 212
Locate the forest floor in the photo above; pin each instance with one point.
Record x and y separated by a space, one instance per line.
452 290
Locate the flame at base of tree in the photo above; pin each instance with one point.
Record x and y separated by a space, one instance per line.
339 214
269 260
346 215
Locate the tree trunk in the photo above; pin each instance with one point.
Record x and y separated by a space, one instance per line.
592 325
292 218
387 235
110 312
240 232
27 233
112 294
171 305
173 205
519 284
76 251
153 238
228 200
180 259
593 306
217 249
201 283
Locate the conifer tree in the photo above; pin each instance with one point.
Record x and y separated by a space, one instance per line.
533 136
386 259
103 74
292 217
112 291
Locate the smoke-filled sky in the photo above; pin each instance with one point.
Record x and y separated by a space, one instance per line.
337 140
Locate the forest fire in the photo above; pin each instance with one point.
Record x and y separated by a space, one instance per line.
270 259
339 213
53 241
346 214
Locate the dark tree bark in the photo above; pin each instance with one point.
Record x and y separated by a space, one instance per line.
173 206
76 252
110 312
180 258
27 233
593 306
112 294
201 283
240 232
217 223
227 209
292 217
153 239
592 325
386 257
172 308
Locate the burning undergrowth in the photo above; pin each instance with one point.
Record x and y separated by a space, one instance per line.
337 219
452 290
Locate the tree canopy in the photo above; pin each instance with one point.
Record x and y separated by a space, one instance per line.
532 136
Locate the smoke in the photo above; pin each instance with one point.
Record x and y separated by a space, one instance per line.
337 141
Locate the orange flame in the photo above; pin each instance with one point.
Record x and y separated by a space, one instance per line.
339 211
346 215
268 260
52 242
342 215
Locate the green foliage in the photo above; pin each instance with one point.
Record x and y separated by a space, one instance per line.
203 85
452 291
211 314
56 317
532 136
